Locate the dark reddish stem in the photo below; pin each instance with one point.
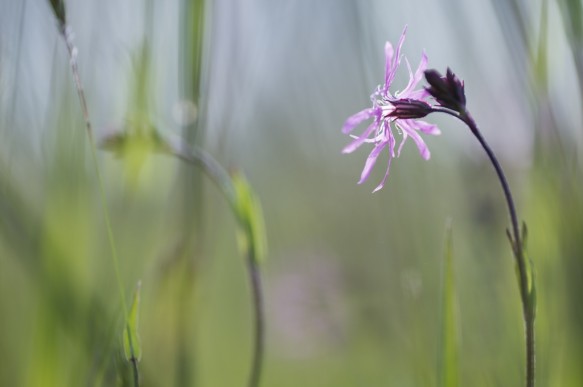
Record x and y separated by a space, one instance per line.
528 307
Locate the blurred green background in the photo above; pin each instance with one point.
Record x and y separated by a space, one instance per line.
353 281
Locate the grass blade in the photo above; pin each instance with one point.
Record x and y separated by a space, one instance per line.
448 354
252 239
131 339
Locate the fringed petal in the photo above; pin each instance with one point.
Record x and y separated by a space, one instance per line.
370 161
360 139
354 120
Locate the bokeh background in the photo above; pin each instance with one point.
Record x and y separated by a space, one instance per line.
353 280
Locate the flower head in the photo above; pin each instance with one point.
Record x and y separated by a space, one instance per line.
400 110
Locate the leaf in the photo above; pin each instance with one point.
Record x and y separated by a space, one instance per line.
58 7
251 234
448 356
131 338
530 271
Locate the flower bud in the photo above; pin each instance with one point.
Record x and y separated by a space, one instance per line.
409 109
448 91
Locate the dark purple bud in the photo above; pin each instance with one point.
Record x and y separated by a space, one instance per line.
410 108
456 87
448 91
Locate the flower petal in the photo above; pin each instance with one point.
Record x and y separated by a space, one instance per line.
382 183
427 128
391 140
414 79
420 95
370 161
361 139
409 127
389 53
393 60
402 143
354 120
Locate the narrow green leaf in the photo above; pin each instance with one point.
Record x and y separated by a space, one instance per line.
530 270
251 233
572 19
131 338
511 241
540 61
448 356
527 261
58 7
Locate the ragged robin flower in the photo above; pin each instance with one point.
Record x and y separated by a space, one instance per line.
400 111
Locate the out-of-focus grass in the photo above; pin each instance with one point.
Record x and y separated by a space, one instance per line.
448 351
353 283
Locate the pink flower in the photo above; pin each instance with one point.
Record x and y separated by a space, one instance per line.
400 110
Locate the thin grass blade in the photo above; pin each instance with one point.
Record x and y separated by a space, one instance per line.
448 351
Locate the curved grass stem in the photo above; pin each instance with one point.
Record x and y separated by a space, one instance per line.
258 348
222 179
67 34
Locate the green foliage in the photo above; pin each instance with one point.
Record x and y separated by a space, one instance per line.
131 338
251 236
572 11
137 140
59 10
354 279
448 353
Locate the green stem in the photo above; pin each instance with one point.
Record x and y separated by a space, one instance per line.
135 373
67 34
222 179
259 346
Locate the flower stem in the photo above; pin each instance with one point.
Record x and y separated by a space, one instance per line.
259 344
517 242
67 34
222 179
